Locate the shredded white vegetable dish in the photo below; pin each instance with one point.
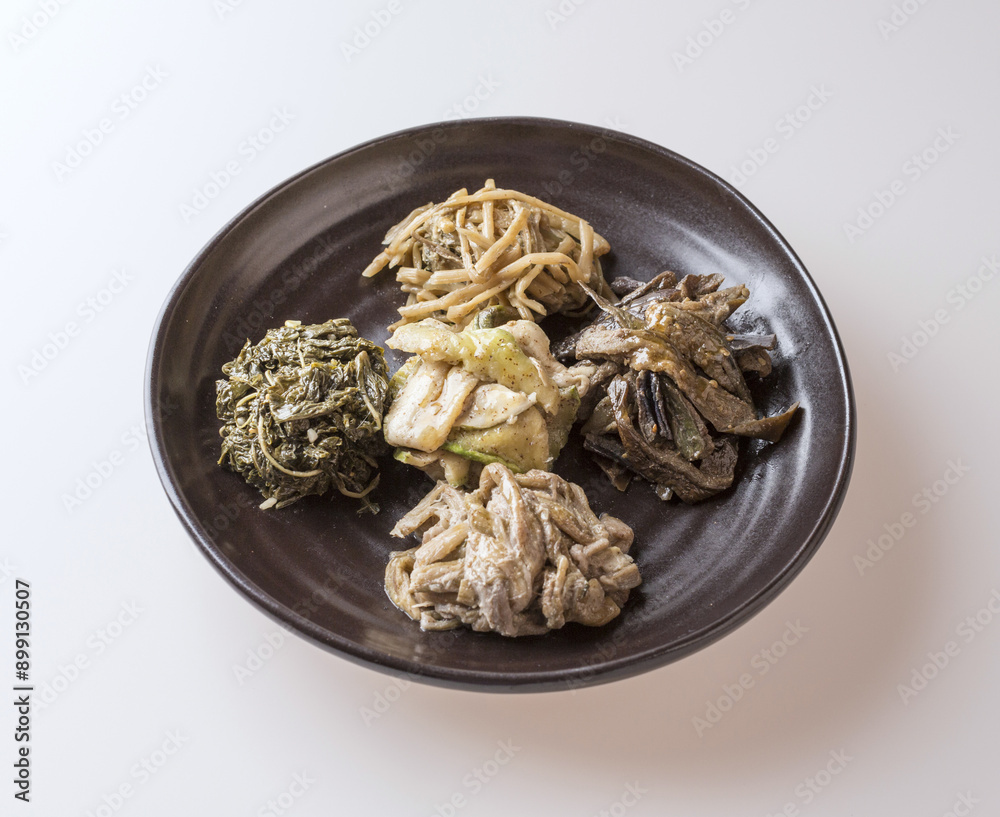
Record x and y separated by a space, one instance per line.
494 247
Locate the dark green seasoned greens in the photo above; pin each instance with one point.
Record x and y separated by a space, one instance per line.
302 412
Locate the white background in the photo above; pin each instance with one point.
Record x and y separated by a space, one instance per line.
137 642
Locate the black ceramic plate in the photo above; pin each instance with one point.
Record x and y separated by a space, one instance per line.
317 566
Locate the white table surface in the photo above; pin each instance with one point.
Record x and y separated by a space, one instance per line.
136 641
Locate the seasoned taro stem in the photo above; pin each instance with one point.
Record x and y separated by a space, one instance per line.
302 412
521 555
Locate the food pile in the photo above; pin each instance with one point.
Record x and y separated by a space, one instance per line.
481 395
484 405
670 398
302 412
521 555
492 246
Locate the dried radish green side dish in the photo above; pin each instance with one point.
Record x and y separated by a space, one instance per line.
302 412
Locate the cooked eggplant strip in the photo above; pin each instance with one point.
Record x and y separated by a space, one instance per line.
693 287
615 312
686 428
618 474
667 472
611 315
751 352
648 349
623 285
713 306
743 342
767 428
647 415
703 342
755 360
664 413
665 281
661 464
565 350
699 293
675 386
644 349
601 419
718 306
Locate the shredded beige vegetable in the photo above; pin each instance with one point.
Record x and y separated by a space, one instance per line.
494 247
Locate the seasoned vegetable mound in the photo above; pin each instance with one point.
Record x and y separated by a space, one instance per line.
494 247
522 555
302 412
485 394
675 401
